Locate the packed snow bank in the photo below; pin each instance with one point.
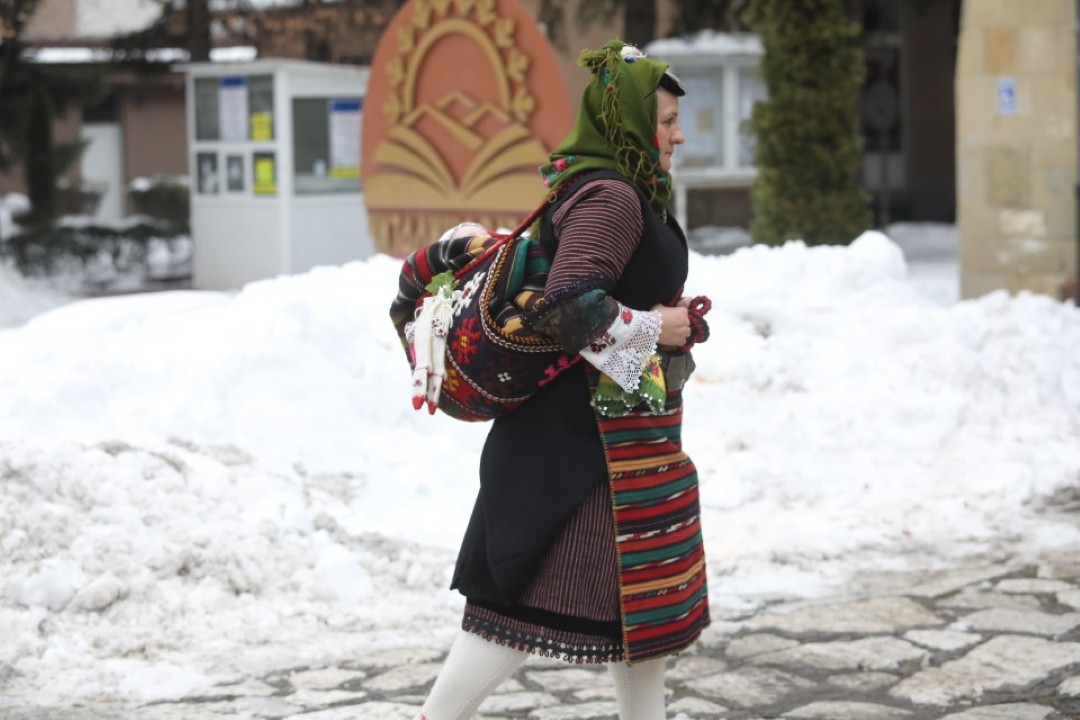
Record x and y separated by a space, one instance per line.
22 299
198 485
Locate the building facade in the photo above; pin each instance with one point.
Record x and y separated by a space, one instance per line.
138 128
1017 148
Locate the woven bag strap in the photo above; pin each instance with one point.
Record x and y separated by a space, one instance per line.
502 238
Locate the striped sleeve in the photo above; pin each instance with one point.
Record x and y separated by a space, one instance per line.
597 230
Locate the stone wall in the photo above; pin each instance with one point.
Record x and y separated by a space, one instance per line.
1016 146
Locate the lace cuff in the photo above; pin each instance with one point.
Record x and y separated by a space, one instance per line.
626 346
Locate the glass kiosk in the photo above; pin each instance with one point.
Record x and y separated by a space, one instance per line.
720 74
275 168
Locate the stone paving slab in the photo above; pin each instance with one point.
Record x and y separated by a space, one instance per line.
1070 687
876 615
1060 569
947 582
863 683
980 599
695 708
584 711
1013 711
1001 663
942 639
324 679
1020 621
750 687
521 702
1070 598
873 653
758 644
1032 586
847 711
690 667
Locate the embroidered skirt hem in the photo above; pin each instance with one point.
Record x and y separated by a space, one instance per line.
574 647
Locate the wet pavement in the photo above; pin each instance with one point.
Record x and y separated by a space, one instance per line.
975 643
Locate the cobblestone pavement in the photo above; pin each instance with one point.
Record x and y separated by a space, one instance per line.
999 643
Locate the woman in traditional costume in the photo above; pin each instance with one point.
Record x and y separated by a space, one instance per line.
585 541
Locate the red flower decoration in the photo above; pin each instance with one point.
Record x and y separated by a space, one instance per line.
466 342
627 316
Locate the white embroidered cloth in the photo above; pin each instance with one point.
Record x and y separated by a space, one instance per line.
626 346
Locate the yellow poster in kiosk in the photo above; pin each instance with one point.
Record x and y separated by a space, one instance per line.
265 173
262 127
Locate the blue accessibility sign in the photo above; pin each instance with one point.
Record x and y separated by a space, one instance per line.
1006 96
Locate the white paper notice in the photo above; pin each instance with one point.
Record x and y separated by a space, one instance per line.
698 116
233 108
345 118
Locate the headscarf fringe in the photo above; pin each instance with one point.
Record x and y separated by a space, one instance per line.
635 157
606 64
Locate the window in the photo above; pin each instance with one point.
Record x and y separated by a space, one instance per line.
235 108
261 107
326 144
264 172
234 173
715 114
206 109
882 121
206 164
701 113
881 17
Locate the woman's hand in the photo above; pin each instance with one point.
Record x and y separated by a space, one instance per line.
674 325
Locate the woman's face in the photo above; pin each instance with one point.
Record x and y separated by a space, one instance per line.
668 132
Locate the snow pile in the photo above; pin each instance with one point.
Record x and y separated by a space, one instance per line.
198 484
21 299
849 416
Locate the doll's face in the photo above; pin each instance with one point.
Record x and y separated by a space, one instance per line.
668 132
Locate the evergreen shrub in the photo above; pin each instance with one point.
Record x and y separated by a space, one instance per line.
808 146
89 251
166 199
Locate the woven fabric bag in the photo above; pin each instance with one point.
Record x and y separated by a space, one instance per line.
460 314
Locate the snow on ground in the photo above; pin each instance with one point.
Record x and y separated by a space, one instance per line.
198 486
22 299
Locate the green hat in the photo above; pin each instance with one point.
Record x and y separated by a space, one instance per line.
616 124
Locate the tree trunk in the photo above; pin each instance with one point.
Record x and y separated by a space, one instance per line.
40 165
198 30
639 22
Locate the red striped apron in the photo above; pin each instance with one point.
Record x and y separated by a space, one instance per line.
654 495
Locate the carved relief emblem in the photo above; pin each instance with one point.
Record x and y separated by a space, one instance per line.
464 103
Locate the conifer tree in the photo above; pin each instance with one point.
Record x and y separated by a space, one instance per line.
808 144
40 160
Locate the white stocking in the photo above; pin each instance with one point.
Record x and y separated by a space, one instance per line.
639 689
473 669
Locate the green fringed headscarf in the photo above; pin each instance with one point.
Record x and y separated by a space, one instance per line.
616 125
